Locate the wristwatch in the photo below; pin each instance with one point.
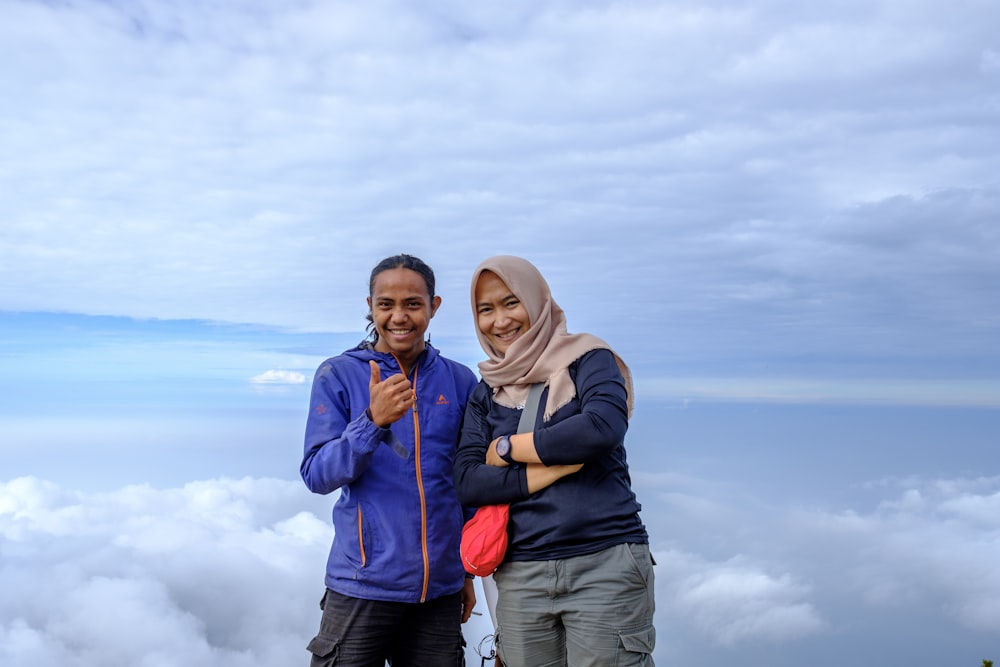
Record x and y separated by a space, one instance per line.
504 449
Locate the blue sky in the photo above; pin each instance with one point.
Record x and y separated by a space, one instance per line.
783 215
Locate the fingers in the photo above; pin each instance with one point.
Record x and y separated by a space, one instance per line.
390 398
395 385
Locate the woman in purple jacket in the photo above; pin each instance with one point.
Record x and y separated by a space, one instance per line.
383 426
576 585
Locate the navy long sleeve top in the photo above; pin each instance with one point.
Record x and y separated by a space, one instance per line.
582 513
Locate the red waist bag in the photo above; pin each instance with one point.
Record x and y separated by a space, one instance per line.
484 540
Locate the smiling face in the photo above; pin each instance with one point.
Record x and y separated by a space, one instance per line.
500 316
401 308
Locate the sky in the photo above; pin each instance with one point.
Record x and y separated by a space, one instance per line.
783 215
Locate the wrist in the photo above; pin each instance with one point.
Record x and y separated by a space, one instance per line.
368 413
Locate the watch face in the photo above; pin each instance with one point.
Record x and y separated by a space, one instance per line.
503 446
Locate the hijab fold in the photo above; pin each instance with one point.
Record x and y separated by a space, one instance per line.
545 351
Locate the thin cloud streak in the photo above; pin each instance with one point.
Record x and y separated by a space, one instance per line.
874 391
279 377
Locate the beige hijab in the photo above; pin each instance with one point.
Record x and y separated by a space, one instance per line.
545 351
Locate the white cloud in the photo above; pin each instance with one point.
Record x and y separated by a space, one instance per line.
736 601
279 377
159 577
176 576
216 572
932 546
744 573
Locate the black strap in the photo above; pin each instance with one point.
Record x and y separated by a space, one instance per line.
530 411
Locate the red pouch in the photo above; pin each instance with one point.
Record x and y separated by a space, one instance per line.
484 540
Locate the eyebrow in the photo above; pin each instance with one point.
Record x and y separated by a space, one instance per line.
405 299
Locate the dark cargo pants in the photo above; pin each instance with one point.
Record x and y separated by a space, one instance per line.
365 633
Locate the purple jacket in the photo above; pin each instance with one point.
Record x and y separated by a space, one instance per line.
398 521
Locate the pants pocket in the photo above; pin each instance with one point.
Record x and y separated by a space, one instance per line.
324 650
642 560
635 647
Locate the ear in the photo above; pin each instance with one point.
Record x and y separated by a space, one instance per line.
435 304
368 299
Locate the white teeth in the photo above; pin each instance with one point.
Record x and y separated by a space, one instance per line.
400 332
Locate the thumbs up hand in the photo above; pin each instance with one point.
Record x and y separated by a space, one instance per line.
389 399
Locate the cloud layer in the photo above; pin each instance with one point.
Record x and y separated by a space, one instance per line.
228 572
787 584
214 573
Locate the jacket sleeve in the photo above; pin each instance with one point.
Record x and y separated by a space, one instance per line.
479 484
338 449
601 422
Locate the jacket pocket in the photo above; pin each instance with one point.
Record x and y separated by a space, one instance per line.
363 554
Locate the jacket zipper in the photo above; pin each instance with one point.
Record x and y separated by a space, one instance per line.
420 488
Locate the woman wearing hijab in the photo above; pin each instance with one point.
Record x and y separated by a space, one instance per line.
576 584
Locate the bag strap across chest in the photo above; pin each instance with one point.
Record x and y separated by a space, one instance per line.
531 405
